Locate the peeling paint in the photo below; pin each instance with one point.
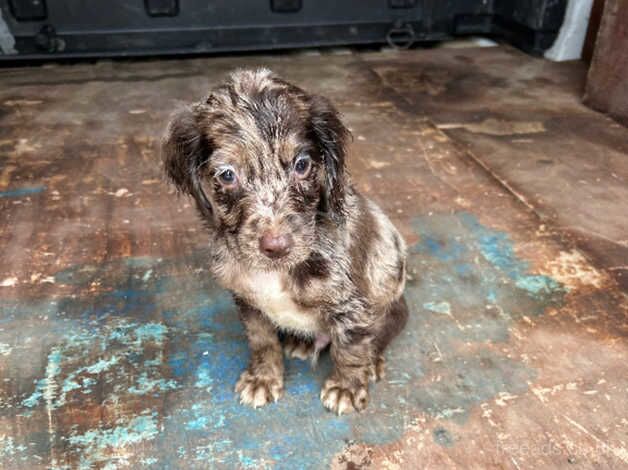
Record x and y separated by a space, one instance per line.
46 386
108 446
8 447
146 385
62 363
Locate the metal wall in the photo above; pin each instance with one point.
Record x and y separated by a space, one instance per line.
70 28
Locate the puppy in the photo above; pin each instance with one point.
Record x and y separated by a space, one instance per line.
309 260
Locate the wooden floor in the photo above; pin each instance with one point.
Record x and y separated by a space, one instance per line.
118 351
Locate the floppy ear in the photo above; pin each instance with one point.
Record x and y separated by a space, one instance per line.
330 136
184 150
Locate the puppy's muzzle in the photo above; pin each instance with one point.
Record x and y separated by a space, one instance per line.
275 246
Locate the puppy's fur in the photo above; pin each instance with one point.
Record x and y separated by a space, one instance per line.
341 280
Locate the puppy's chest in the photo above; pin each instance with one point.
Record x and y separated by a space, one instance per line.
268 292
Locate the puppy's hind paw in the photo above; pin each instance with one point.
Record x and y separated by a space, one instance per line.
258 390
377 371
300 348
344 399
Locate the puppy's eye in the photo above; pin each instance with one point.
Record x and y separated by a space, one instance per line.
302 165
227 176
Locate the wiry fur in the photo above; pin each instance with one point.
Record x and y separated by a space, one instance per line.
343 278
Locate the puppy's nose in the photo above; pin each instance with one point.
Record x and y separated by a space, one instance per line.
275 246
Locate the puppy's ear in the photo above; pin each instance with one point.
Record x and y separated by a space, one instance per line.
330 136
184 150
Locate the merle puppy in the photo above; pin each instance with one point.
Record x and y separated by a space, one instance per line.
309 260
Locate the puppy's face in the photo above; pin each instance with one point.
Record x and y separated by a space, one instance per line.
264 162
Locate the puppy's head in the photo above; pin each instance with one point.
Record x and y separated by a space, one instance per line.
264 162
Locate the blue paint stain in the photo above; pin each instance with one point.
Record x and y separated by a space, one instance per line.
87 383
153 362
538 285
46 386
147 385
63 376
10 450
101 365
148 461
497 248
443 250
151 332
19 192
464 267
69 385
136 430
200 421
203 378
197 424
247 462
454 240
96 444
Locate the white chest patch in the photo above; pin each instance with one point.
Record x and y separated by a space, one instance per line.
269 295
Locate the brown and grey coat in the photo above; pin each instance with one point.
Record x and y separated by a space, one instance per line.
308 259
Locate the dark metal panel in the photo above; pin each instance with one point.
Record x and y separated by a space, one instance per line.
74 28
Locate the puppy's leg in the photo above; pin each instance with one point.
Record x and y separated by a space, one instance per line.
295 346
395 318
354 352
262 381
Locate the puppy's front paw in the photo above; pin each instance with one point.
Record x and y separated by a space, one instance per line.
258 390
342 398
